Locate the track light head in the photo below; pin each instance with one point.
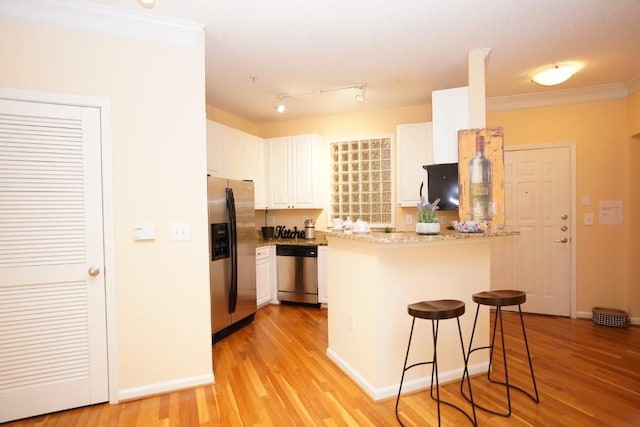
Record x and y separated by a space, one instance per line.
360 96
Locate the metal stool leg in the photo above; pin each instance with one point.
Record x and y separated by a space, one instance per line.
434 372
404 369
526 344
466 370
506 383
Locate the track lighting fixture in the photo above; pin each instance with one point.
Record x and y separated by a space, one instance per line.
360 95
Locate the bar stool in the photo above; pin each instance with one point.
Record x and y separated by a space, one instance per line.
499 299
436 311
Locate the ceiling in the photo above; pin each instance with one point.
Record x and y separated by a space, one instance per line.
257 50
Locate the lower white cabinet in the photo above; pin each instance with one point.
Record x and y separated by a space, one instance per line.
323 297
264 275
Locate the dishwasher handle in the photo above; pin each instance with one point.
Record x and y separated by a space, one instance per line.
297 251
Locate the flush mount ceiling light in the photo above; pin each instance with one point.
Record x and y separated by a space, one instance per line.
556 74
147 3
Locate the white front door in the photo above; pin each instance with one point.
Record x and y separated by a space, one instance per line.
53 344
538 201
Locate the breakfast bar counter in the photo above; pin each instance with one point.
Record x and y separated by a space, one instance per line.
372 277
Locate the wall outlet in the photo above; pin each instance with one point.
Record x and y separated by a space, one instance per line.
588 219
351 320
408 219
271 220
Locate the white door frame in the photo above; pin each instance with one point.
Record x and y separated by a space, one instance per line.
107 209
572 216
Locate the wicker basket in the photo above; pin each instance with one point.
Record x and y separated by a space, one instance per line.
610 317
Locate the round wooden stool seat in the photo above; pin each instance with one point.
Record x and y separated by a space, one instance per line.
437 310
500 298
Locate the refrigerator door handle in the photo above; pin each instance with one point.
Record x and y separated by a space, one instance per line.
233 246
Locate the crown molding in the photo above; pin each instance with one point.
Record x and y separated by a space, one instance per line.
559 97
85 16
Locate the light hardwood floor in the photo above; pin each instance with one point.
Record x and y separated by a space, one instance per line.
275 372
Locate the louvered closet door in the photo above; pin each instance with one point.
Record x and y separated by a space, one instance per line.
52 310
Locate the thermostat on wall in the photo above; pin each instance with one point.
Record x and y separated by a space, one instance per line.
144 232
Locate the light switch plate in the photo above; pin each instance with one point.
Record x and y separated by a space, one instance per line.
179 231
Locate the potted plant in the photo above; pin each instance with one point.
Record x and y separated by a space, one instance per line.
427 218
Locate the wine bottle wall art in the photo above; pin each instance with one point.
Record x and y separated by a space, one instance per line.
481 175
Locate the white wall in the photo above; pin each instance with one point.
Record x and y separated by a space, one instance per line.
156 94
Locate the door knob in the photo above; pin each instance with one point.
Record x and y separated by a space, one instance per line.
563 240
564 216
563 228
94 271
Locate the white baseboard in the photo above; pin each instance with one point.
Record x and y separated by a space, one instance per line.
380 393
589 315
164 387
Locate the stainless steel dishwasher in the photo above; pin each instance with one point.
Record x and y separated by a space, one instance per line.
297 273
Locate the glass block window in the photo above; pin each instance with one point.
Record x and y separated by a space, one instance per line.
361 180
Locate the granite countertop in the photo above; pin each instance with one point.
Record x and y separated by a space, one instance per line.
412 237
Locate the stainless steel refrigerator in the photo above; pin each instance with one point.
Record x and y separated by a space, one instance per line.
232 254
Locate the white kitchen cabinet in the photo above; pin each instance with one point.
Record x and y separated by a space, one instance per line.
323 297
297 172
234 154
263 275
216 148
415 149
254 149
450 113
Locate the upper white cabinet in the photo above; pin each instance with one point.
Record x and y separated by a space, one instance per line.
217 136
235 154
297 170
415 149
450 113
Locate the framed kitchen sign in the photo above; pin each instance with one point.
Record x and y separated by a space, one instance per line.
481 175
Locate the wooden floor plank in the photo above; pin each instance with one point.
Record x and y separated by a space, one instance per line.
275 372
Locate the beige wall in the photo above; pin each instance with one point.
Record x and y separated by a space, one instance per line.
159 156
633 248
349 125
599 132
